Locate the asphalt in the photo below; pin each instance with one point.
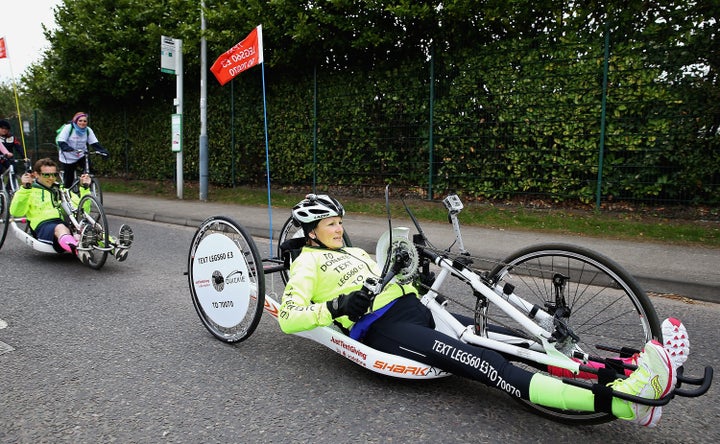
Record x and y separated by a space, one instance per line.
692 272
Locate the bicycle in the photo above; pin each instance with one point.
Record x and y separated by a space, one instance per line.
561 308
95 188
87 211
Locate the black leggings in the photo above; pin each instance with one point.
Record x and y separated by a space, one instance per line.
69 172
407 329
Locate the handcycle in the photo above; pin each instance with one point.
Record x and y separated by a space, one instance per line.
95 188
8 187
78 214
560 309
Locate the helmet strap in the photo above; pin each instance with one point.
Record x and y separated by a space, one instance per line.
316 239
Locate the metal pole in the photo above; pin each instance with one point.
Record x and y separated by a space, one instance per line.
315 99
203 108
430 132
179 110
35 133
601 155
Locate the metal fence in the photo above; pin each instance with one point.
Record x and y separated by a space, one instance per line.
592 121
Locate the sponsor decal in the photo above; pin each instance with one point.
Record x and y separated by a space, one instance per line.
488 371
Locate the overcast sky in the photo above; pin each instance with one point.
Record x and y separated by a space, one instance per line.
21 26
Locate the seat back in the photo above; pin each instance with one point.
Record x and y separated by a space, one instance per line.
290 249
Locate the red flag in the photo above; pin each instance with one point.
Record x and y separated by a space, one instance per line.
240 57
3 48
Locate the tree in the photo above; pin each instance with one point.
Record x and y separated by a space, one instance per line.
108 50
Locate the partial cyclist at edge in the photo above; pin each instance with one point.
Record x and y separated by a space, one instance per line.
38 199
319 295
9 146
73 141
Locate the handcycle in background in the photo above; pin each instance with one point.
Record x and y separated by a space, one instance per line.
561 309
8 186
95 188
87 211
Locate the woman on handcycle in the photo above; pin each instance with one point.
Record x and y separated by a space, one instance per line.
326 287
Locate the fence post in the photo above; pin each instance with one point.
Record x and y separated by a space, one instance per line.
601 155
35 134
430 132
315 100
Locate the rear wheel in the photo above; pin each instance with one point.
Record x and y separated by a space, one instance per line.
4 215
226 279
12 183
90 212
602 304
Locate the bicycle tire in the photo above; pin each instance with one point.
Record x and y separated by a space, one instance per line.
4 215
226 279
607 304
290 230
12 184
90 211
96 190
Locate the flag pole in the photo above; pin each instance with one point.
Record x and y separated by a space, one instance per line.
242 56
17 106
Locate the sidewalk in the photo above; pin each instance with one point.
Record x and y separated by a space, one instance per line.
692 272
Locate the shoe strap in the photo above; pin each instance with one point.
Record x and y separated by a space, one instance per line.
607 374
603 398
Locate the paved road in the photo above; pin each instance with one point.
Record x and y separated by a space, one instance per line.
119 355
687 271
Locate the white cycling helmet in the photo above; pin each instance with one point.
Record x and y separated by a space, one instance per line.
315 207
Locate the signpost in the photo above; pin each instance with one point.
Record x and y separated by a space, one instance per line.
176 125
171 63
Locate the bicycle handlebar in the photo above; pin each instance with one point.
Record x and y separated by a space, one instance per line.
99 153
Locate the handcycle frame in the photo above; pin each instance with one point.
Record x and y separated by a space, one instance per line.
226 280
88 211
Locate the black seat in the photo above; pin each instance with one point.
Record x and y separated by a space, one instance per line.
290 249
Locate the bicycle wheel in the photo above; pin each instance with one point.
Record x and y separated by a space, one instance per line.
12 184
291 231
95 190
4 215
226 279
91 212
604 305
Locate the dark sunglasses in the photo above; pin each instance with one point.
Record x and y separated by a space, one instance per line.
49 174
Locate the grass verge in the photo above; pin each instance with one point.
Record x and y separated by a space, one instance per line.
626 223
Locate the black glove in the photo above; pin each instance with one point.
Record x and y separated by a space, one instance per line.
352 305
65 147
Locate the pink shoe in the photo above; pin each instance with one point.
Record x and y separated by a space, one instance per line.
654 378
675 342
